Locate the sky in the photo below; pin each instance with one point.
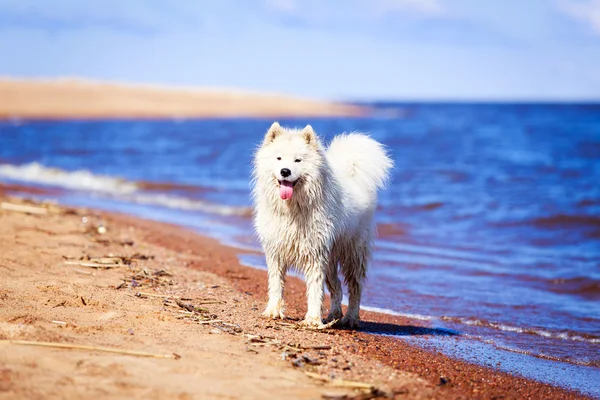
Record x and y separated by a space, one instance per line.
347 49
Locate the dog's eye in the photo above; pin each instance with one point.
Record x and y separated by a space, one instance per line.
279 158
297 160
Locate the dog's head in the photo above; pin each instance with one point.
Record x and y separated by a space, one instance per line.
288 158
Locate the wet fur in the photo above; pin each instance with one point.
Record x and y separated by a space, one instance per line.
328 222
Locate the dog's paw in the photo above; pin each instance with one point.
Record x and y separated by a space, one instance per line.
312 322
274 312
349 322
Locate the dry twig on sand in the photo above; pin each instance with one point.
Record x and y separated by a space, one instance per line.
24 209
339 382
90 348
189 307
161 296
212 321
106 262
301 347
285 324
146 278
93 265
328 325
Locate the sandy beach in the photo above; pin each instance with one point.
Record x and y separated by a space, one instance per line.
85 99
80 277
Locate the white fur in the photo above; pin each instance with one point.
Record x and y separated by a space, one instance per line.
328 221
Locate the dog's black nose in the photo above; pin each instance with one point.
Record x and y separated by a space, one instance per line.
285 172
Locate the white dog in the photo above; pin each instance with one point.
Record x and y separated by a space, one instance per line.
314 211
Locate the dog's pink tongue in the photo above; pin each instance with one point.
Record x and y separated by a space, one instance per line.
286 189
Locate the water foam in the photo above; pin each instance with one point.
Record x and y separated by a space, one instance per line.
86 181
74 180
388 311
183 203
562 335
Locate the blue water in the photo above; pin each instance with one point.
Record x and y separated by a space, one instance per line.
490 227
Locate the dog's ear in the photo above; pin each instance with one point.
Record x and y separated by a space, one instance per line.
274 131
309 135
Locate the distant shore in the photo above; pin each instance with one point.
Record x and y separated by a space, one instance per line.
87 99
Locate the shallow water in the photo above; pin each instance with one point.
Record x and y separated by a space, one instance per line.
490 227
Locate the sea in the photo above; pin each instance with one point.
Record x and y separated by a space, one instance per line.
489 229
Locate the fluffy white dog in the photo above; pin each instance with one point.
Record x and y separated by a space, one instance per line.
314 211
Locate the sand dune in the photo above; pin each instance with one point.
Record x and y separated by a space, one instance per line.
74 98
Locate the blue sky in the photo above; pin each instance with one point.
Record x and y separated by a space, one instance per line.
352 49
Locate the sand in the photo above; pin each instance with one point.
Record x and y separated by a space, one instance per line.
86 99
53 290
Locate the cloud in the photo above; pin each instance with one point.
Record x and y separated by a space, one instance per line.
131 16
68 15
426 8
317 10
286 6
586 10
411 20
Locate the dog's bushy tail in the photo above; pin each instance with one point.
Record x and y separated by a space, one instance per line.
359 158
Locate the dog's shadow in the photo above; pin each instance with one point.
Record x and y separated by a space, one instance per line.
383 328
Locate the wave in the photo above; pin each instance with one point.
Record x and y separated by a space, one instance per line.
588 288
182 203
561 335
394 313
567 220
77 180
118 188
558 221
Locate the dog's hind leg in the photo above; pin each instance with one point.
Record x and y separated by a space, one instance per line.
335 290
276 271
354 268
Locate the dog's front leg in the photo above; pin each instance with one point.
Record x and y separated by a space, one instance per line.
315 278
275 307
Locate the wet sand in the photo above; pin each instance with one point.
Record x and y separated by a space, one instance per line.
51 291
85 99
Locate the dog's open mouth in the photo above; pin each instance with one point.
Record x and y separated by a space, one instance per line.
286 189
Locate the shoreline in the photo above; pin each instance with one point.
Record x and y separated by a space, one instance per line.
390 363
82 99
